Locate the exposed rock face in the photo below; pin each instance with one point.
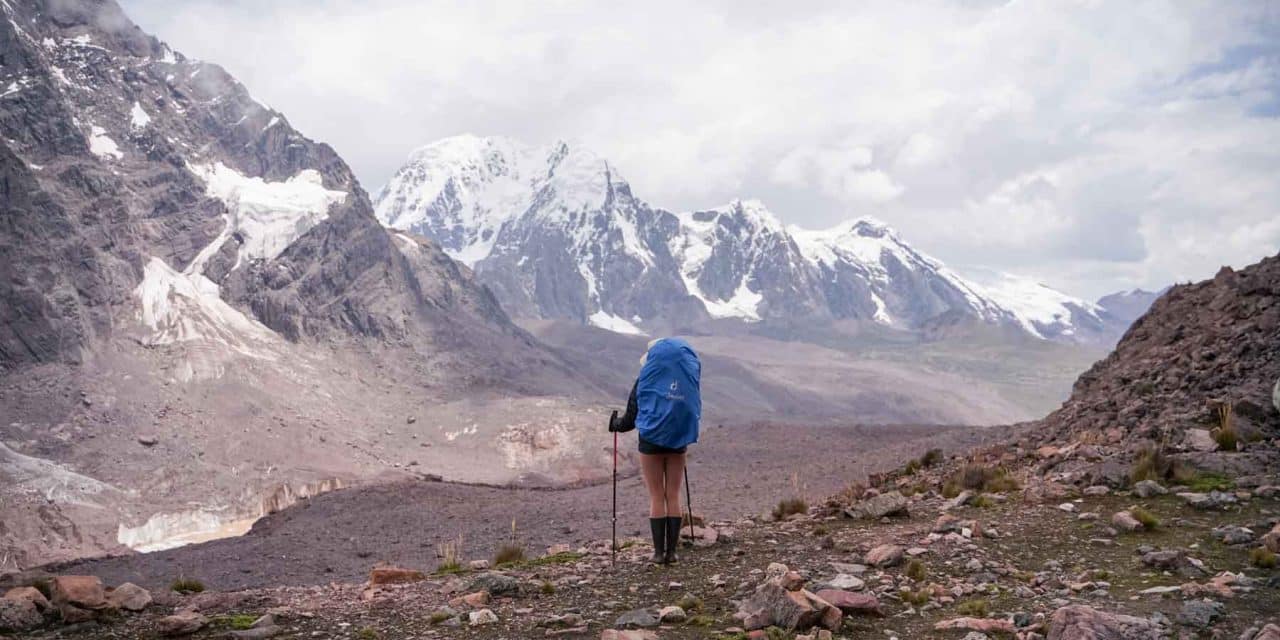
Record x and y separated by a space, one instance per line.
557 233
1080 622
885 504
1200 345
143 185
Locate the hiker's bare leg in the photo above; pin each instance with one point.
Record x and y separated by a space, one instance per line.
651 469
675 480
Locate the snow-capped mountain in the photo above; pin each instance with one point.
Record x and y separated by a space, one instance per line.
556 232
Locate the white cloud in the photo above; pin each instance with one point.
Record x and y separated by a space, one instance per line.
1155 124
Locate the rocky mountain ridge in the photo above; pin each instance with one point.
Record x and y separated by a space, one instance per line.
556 232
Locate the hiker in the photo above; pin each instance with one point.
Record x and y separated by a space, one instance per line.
665 406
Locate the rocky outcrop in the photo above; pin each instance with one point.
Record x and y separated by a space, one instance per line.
1200 346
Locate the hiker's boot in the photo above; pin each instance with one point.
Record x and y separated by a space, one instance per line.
673 540
658 527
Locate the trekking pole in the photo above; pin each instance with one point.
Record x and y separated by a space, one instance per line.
614 547
688 500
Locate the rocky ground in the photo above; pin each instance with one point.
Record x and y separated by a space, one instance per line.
1006 558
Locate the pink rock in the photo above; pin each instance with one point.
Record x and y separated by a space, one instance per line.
977 624
851 602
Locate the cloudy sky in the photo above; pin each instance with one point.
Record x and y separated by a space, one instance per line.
1093 145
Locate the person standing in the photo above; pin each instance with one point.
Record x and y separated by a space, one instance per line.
665 407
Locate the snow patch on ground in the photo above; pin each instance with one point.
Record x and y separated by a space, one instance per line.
102 145
615 324
138 117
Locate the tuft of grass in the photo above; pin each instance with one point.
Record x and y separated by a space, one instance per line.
1205 482
547 588
1151 464
980 477
186 585
911 467
983 501
777 633
1149 520
821 530
915 570
564 557
438 617
918 597
974 608
930 458
450 553
1225 435
235 621
1262 558
368 633
508 553
1145 388
700 621
690 602
789 506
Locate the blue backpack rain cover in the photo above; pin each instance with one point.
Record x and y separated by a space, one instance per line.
668 394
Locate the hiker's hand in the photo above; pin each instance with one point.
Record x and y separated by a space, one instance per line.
613 422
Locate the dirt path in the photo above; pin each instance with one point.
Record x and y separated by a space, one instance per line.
339 536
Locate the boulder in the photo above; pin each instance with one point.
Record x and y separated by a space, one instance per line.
1149 489
1231 535
946 523
481 617
1124 521
1200 614
963 498
1208 501
497 584
977 624
1174 560
852 603
1097 490
29 594
636 618
1269 632
394 575
1200 440
19 615
885 504
772 605
129 597
885 555
630 634
844 581
671 615
181 623
85 592
1081 622
1271 539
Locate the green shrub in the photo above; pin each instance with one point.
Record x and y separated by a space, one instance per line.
186 585
1149 520
950 489
368 633
983 501
930 458
911 468
789 506
547 588
439 616
915 570
974 608
1262 558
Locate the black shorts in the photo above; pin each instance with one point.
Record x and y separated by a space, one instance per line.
649 448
